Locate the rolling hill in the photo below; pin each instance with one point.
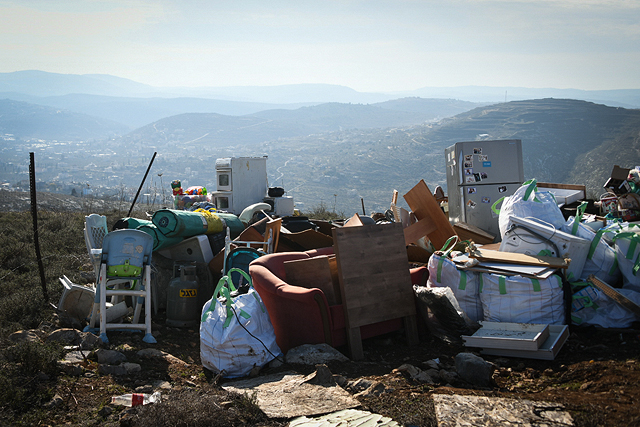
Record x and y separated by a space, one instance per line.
326 154
26 121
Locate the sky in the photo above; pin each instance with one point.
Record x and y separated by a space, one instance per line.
367 45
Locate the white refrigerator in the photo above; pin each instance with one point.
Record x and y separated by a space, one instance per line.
478 174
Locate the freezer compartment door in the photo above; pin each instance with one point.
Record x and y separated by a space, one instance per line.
489 162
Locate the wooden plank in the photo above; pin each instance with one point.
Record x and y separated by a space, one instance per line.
314 273
424 206
615 295
274 227
515 258
418 230
374 278
394 198
471 232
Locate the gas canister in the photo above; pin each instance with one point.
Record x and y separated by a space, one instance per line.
183 309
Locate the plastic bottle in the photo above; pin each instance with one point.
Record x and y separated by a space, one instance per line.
135 399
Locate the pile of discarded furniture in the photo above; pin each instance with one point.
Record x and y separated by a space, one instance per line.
339 283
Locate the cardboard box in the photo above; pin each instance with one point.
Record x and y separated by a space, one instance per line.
618 183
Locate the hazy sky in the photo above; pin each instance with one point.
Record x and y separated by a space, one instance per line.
368 45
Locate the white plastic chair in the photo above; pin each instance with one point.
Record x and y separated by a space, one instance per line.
95 228
126 256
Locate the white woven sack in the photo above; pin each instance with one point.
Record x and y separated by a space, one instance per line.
527 202
464 284
605 312
628 254
519 299
226 345
601 259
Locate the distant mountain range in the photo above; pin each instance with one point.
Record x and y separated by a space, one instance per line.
136 104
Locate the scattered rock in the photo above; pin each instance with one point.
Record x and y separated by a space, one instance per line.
56 402
122 369
77 356
432 364
359 385
276 363
161 384
147 388
474 369
150 353
105 411
340 380
448 377
65 336
25 336
415 373
375 390
88 341
110 357
316 354
322 376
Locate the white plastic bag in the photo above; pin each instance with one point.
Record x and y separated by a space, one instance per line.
464 284
527 202
519 299
236 335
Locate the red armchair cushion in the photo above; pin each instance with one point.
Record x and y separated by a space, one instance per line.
303 316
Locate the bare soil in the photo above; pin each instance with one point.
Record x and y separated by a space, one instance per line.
596 376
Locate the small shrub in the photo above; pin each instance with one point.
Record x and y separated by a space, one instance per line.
321 212
22 387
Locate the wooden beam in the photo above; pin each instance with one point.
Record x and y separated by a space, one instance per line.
424 206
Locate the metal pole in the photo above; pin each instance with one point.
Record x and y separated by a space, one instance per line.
362 201
34 215
141 184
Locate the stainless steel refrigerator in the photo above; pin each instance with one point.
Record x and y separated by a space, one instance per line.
478 174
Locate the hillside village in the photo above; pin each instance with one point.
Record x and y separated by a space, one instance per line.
337 168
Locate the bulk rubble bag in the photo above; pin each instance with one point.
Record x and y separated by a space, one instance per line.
528 202
520 299
627 244
464 284
236 333
598 309
601 259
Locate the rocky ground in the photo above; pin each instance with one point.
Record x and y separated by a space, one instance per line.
596 377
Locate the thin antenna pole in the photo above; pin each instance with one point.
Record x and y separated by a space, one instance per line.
141 184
